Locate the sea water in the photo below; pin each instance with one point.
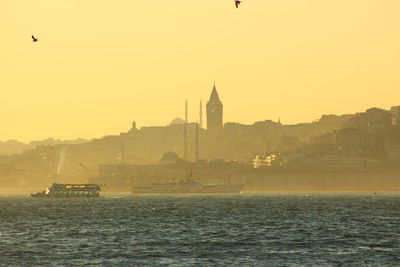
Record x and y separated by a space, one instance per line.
202 230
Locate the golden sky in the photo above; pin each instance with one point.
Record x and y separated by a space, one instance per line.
100 64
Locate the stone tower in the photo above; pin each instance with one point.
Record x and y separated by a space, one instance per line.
214 113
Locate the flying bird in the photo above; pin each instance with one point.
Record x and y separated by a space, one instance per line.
34 39
237 3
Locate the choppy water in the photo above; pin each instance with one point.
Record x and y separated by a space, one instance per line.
224 230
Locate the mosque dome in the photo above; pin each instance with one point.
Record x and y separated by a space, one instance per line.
177 121
169 157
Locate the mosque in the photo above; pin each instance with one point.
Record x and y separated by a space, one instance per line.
214 112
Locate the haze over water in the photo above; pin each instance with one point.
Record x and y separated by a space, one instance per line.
224 230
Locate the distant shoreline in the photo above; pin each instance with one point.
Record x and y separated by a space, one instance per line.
301 193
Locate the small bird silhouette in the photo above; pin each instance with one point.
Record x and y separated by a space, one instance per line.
237 3
34 39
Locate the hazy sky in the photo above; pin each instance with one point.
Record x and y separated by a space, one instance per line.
100 64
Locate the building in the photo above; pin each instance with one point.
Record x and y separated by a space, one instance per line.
214 113
379 121
374 121
350 140
395 111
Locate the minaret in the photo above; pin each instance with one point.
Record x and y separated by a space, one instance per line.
201 114
214 113
197 142
185 132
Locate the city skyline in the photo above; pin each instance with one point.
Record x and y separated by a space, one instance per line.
98 66
199 133
194 116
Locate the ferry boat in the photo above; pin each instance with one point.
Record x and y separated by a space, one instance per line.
69 191
189 185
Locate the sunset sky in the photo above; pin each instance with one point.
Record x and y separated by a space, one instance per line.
100 64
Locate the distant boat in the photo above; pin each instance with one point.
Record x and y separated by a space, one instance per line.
189 185
69 191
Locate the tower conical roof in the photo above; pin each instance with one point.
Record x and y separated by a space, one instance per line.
214 97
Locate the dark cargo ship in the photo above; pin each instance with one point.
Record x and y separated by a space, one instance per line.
69 191
189 185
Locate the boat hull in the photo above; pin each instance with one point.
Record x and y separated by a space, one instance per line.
61 196
205 189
